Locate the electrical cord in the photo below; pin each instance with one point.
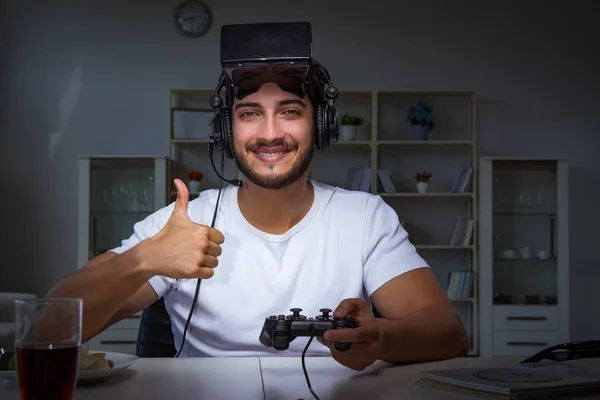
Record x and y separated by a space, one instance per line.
212 225
304 366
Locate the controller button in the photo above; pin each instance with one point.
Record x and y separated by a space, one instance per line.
273 317
281 316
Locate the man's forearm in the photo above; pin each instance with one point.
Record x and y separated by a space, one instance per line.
430 334
104 288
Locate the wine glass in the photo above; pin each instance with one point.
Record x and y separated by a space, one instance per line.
47 342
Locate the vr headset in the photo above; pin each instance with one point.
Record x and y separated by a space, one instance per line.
280 52
252 54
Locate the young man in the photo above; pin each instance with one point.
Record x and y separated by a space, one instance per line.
280 241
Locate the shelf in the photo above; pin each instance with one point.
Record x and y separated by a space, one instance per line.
523 209
521 260
442 247
193 109
360 142
425 143
430 194
188 141
116 212
174 192
523 214
351 143
465 300
525 304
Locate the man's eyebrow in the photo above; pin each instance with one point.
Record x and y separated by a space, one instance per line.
281 103
292 101
239 105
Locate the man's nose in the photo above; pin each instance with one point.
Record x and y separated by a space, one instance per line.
271 128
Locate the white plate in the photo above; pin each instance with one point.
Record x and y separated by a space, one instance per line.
121 362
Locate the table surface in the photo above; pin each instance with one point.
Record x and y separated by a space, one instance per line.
276 378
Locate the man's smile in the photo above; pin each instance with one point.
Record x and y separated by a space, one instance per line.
271 154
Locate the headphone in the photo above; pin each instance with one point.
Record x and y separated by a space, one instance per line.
326 115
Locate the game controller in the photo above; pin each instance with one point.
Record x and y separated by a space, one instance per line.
279 330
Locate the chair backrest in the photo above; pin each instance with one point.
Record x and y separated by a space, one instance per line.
155 338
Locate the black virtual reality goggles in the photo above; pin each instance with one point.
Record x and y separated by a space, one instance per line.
279 52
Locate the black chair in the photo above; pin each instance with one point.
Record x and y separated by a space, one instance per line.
155 338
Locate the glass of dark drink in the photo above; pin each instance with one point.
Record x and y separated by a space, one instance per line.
47 341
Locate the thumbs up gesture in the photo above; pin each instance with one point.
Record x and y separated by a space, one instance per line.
183 249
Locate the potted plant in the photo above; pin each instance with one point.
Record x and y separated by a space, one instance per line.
422 178
195 181
349 127
419 116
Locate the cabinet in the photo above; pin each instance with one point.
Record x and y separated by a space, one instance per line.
115 192
385 153
524 254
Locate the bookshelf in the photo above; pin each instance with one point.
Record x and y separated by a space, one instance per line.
383 142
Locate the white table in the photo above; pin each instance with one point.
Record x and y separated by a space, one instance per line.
275 378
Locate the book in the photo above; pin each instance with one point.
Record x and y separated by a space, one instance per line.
519 381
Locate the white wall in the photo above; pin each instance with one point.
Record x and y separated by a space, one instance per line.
93 77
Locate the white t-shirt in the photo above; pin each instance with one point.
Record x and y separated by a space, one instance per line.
347 246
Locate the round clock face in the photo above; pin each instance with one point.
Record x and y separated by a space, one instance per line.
193 18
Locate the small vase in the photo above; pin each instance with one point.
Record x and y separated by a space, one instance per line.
194 186
420 132
422 187
348 132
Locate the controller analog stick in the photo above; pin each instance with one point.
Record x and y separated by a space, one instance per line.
325 312
296 311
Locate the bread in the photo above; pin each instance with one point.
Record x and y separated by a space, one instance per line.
94 362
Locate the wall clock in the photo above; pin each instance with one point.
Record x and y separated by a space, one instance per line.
193 18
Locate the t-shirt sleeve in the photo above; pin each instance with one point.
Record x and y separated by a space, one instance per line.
146 229
387 251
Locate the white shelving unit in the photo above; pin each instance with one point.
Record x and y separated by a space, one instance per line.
115 192
524 255
384 141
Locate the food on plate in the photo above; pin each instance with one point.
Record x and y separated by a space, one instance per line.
94 361
87 361
7 361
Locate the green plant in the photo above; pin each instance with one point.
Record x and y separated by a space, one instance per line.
423 176
348 119
420 114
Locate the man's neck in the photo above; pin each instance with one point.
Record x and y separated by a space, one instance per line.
275 211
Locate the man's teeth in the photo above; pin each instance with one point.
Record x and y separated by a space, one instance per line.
278 154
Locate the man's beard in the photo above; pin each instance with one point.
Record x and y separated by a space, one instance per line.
275 181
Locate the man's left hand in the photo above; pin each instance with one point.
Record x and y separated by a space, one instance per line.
364 339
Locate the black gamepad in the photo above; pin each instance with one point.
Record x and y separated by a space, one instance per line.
279 330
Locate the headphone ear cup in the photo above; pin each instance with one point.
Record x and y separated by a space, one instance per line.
333 133
321 140
217 129
227 132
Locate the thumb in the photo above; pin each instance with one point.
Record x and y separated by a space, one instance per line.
354 307
183 198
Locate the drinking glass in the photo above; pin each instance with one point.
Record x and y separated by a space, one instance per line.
47 341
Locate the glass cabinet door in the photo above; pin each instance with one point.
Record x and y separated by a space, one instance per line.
114 194
524 229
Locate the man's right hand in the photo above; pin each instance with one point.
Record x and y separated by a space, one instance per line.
183 249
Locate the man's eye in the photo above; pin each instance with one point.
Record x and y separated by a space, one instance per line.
247 114
292 112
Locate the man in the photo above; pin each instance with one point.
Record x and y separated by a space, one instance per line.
280 241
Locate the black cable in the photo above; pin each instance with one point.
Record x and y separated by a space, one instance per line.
212 225
304 366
